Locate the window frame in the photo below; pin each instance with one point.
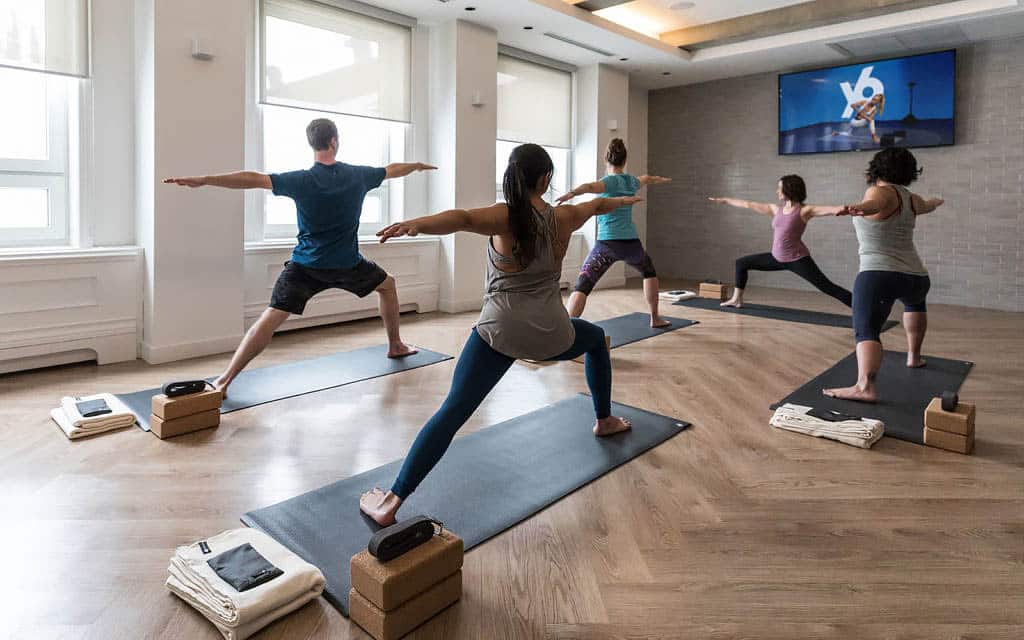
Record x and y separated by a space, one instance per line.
52 174
532 58
395 148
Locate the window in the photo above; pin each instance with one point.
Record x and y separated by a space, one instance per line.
40 43
363 141
324 62
523 85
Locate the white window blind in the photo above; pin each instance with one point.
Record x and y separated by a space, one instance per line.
534 103
326 59
45 35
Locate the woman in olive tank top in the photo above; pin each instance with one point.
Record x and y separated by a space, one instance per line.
522 316
890 268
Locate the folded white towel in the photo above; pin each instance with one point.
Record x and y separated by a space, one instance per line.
677 295
243 631
860 433
240 614
74 425
118 410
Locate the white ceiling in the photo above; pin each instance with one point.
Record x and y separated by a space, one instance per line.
649 59
654 17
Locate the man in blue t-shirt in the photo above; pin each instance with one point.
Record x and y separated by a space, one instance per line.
328 202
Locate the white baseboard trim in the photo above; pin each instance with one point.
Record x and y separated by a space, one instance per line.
449 305
103 349
160 354
47 360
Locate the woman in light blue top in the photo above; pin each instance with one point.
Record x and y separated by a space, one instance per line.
617 237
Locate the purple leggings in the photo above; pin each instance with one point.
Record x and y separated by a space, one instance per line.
606 253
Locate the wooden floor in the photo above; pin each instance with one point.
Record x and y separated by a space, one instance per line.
729 530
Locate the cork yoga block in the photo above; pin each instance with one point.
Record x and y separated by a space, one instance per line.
179 426
181 406
387 585
714 291
959 421
390 625
949 441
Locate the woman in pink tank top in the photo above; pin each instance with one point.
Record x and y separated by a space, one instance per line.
789 220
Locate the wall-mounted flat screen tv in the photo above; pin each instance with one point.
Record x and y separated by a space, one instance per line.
899 102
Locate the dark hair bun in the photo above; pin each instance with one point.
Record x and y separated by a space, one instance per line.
616 155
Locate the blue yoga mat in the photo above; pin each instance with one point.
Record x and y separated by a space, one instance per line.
258 386
487 482
778 313
637 326
903 393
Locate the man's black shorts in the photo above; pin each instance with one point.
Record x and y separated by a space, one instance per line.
297 284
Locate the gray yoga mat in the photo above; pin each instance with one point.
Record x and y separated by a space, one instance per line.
903 393
487 482
779 313
267 384
637 326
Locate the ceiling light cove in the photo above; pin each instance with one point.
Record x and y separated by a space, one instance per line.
632 19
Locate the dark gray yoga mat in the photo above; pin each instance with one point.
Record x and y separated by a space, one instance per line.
259 386
779 313
487 482
903 393
637 326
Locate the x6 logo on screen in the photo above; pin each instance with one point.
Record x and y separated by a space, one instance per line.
856 93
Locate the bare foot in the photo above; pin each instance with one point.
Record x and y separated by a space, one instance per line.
611 425
854 393
380 506
732 303
659 323
401 350
915 362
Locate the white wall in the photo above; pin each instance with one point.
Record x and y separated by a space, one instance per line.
107 211
192 238
463 62
636 144
603 96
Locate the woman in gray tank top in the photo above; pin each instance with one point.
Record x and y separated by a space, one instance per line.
522 316
890 268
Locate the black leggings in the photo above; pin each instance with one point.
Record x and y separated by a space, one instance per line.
805 267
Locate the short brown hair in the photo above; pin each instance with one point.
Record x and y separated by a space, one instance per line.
320 132
616 155
793 188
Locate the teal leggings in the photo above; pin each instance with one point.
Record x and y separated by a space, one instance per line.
479 369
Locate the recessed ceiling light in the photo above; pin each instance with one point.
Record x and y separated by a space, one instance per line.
528 28
666 73
623 59
470 8
682 6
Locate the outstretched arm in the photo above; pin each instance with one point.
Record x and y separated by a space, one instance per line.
486 221
646 180
758 207
402 169
236 180
923 206
589 187
578 214
819 210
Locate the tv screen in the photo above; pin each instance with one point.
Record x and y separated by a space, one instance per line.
900 102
